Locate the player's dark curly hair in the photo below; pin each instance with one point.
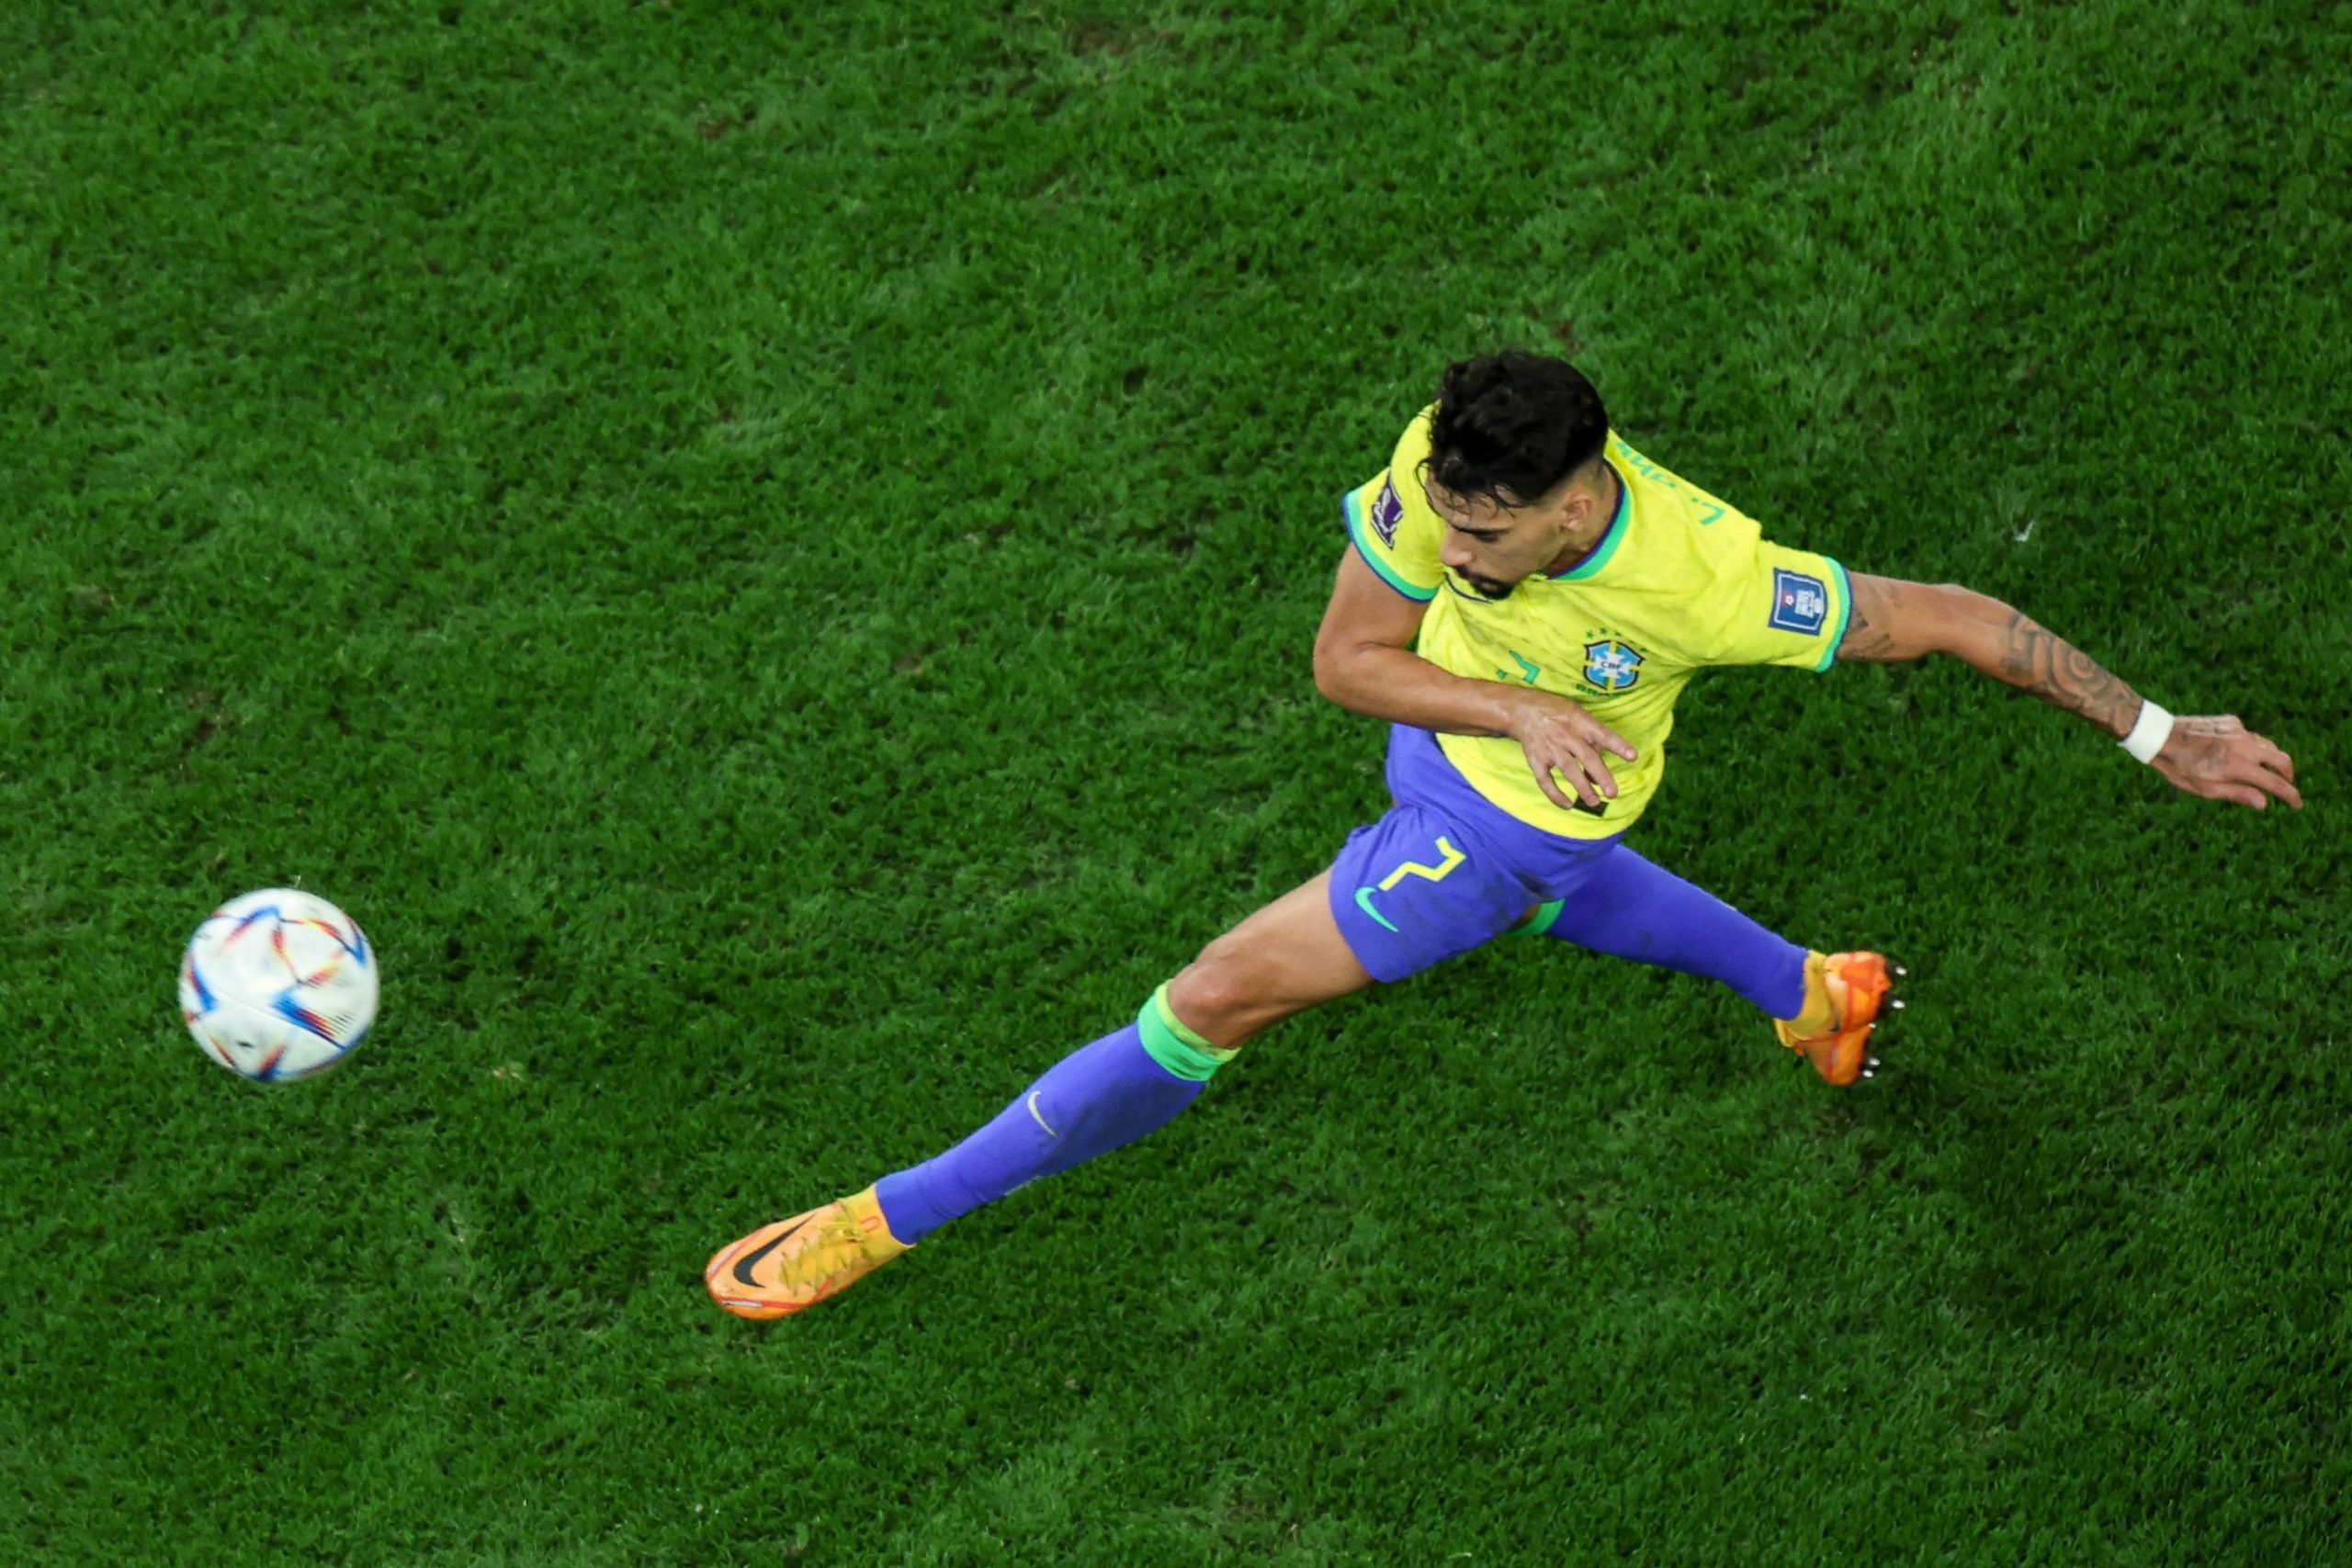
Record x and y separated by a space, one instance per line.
1508 426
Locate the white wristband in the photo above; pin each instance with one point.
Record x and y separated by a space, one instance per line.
2148 736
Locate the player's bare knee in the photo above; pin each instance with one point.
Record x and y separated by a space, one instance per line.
1219 993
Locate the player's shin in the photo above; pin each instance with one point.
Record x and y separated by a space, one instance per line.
1111 1092
1823 1006
1630 908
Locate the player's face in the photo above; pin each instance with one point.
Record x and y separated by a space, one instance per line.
1494 548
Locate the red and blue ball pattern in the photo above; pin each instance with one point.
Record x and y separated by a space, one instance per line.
279 985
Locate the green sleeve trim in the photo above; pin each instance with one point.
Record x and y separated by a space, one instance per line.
1352 505
1183 1051
1547 917
1845 614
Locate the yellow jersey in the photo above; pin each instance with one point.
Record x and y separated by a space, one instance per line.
1680 580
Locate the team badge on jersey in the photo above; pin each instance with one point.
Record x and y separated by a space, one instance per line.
1387 511
1610 665
1799 604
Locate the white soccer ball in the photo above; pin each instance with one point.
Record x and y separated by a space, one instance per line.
279 985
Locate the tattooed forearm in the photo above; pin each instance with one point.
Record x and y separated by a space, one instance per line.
2055 670
1892 620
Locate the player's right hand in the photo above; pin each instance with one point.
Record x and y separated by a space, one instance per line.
1563 741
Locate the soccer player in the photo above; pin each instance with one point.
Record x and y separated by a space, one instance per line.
1523 597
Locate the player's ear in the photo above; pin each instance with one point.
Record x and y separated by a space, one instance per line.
1584 495
1583 500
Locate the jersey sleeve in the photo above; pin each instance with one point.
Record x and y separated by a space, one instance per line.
1399 547
1777 606
1392 524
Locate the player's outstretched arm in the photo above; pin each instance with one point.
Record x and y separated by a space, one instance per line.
1895 621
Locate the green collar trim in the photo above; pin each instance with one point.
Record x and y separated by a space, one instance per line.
1597 556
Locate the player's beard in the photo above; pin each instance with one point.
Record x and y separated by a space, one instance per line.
1487 587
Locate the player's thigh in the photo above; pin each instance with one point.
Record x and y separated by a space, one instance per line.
1417 889
1284 958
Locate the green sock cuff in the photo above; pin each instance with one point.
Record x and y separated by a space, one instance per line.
1175 1047
1547 917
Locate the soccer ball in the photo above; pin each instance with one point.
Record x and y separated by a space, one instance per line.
277 985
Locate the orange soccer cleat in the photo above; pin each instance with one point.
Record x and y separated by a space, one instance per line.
1843 995
796 1263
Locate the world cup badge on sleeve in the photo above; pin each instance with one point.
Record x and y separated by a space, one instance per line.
1799 604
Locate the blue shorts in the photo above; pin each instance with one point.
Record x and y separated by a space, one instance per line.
1446 870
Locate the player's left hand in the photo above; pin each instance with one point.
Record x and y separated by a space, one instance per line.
2221 758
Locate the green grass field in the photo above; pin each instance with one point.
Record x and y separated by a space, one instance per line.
768 554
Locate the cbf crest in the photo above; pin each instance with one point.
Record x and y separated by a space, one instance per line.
1612 664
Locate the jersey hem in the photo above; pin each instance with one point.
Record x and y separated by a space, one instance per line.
1546 818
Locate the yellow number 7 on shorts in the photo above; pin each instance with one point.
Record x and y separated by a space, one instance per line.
1452 857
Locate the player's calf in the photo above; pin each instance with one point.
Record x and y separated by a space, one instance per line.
1282 959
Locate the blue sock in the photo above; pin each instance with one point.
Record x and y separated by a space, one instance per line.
1089 1103
1630 908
